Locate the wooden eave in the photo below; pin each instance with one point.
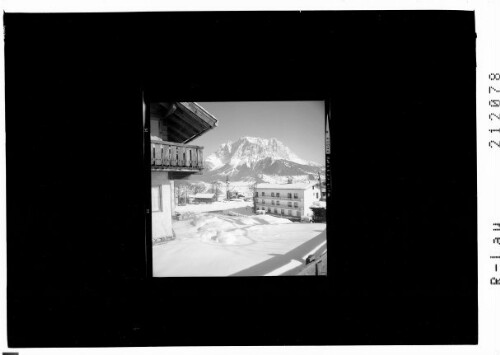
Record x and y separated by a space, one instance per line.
185 120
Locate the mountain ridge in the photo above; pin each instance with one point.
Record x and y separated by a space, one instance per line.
251 158
250 150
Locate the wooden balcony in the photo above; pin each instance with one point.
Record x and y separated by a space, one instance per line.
169 156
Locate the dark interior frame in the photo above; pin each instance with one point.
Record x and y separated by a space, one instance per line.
403 258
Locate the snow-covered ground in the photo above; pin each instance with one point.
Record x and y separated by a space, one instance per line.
279 179
215 206
220 245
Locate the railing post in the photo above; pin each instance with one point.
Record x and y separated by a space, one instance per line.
195 158
188 157
181 151
158 154
165 155
174 155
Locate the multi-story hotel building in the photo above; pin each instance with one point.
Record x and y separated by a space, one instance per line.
287 200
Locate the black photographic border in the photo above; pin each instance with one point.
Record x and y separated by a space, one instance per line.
403 218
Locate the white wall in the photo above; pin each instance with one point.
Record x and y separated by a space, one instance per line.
308 200
172 198
162 220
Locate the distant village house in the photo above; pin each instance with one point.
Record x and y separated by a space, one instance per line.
204 198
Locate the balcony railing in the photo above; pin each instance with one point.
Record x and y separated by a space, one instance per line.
285 207
280 198
275 203
171 156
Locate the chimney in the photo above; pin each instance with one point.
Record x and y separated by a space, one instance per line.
290 180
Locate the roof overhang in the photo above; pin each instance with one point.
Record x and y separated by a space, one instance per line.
185 120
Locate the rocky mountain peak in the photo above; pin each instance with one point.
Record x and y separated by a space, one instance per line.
250 150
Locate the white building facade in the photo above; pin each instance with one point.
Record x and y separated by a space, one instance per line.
287 200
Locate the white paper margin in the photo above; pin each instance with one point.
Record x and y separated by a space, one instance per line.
487 14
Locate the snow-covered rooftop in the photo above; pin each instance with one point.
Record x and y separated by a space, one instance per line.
296 186
319 204
204 196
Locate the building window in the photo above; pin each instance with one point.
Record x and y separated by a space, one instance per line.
256 194
289 212
289 195
263 202
277 194
156 199
295 195
263 193
278 202
289 204
295 204
282 211
269 210
317 195
272 194
275 211
272 202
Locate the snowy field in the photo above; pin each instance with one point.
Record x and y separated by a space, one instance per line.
220 245
215 206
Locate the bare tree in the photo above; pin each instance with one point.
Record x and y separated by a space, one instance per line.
320 187
254 197
198 189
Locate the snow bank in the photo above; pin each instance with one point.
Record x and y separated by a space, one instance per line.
203 219
223 222
234 237
215 206
216 225
220 230
229 230
266 219
246 221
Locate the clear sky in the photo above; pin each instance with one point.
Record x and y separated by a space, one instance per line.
300 125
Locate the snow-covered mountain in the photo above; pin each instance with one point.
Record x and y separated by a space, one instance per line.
251 158
250 150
